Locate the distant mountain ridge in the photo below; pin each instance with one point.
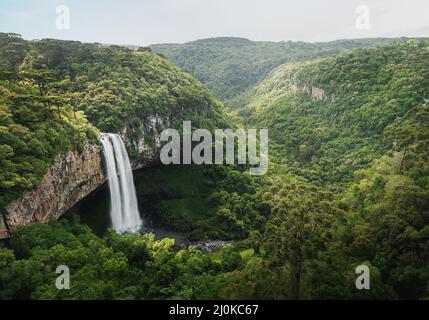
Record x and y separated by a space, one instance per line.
229 66
336 115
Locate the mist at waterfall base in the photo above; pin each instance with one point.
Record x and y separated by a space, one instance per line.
124 211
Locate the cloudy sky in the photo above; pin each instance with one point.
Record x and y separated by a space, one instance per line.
146 22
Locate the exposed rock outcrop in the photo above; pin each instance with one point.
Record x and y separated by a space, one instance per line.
314 92
74 175
70 177
210 245
134 137
4 228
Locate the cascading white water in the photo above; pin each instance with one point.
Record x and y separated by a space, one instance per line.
124 210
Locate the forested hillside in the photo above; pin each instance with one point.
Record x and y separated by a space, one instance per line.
229 66
50 87
348 183
332 117
355 128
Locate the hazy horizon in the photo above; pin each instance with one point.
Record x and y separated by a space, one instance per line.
143 23
202 39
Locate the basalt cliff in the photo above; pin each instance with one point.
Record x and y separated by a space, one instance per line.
55 95
73 176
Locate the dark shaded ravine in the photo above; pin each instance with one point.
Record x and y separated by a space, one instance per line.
94 211
176 185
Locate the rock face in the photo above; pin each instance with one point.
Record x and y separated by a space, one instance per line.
148 151
314 92
210 245
73 176
4 229
70 178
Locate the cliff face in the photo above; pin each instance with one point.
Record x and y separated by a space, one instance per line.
314 92
73 176
70 177
134 138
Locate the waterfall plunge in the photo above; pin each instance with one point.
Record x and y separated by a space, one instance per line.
124 211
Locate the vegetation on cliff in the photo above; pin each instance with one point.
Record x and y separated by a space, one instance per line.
354 129
35 126
50 87
204 202
348 186
332 117
230 66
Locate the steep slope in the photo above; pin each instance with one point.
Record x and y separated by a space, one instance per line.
49 90
331 117
229 66
356 128
349 140
34 129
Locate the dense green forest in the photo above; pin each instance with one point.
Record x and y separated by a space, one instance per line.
348 180
354 125
50 88
204 202
332 117
230 66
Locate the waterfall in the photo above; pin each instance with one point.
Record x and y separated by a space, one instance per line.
124 211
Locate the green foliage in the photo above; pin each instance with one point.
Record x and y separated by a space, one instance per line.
329 118
116 86
35 126
347 186
362 146
131 266
202 201
230 66
49 88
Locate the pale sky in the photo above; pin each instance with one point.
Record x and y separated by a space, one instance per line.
147 22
